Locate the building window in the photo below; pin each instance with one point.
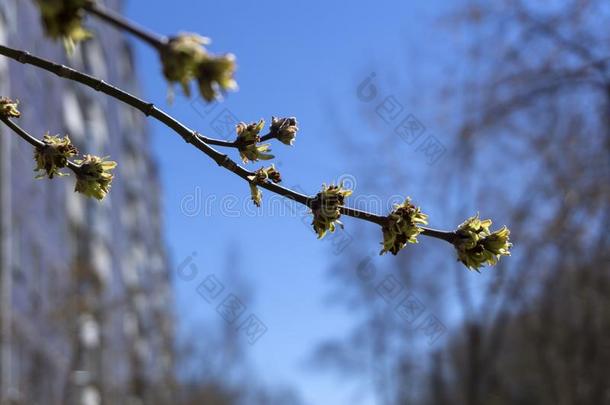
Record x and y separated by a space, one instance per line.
75 206
95 62
8 15
97 128
73 115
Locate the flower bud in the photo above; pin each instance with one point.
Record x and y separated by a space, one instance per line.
185 58
260 176
8 108
215 76
498 242
326 208
181 57
247 142
256 195
62 19
402 227
284 129
53 156
477 246
272 174
94 176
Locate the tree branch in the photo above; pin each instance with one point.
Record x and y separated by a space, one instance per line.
22 133
191 136
32 140
154 40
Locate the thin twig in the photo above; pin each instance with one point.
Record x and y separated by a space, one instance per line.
191 136
154 40
22 133
218 142
450 237
32 140
267 137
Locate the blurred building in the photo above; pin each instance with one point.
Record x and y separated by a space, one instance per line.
85 294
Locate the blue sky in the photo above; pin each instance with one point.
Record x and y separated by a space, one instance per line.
302 59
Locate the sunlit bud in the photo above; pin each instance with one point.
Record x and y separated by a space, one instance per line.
272 174
94 176
8 108
256 194
284 129
402 227
247 142
260 176
185 58
53 156
215 76
477 246
181 58
325 208
498 242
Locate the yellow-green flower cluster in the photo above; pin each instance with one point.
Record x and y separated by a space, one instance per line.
477 246
325 208
62 19
94 176
284 129
267 173
181 57
260 176
247 142
215 75
8 108
185 58
402 227
53 156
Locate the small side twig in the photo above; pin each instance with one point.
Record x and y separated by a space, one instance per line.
267 137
